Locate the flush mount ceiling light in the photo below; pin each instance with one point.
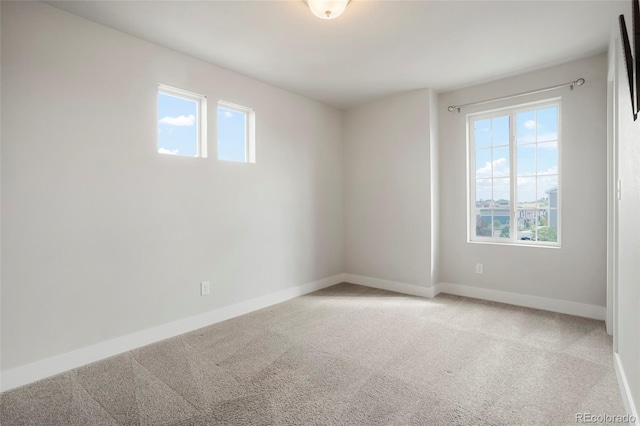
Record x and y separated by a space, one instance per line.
327 9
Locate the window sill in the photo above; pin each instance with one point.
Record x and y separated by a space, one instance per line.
493 243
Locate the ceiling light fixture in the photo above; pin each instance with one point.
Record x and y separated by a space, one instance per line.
327 9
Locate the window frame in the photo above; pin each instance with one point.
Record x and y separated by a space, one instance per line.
249 130
201 116
511 112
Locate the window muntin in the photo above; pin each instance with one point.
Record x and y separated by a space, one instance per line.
236 133
181 122
514 175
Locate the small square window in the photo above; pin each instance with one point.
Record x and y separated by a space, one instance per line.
182 118
236 133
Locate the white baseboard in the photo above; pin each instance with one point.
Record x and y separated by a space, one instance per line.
627 399
60 363
398 287
537 302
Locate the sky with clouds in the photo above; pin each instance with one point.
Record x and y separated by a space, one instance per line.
536 155
178 127
231 135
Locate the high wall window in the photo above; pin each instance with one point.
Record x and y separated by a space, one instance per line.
514 171
182 118
236 133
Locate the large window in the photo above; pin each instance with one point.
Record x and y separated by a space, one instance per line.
514 170
182 118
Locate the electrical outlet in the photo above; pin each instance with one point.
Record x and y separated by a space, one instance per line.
204 288
479 268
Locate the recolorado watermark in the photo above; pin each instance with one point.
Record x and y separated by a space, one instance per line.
605 418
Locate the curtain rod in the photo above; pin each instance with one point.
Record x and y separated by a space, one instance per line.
571 84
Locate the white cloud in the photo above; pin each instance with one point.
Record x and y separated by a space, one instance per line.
493 189
530 124
168 151
526 190
228 114
499 188
500 167
182 120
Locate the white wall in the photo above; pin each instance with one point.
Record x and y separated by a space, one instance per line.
628 294
577 271
102 236
0 190
387 189
434 112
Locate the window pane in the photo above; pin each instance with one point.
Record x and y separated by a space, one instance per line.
548 158
553 218
547 190
232 138
501 161
535 223
547 226
483 223
177 126
526 127
501 192
547 234
482 133
526 224
526 192
501 220
526 156
483 162
483 193
548 124
500 130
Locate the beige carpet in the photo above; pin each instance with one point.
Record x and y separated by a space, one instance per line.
345 355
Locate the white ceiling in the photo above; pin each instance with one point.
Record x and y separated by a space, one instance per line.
375 48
